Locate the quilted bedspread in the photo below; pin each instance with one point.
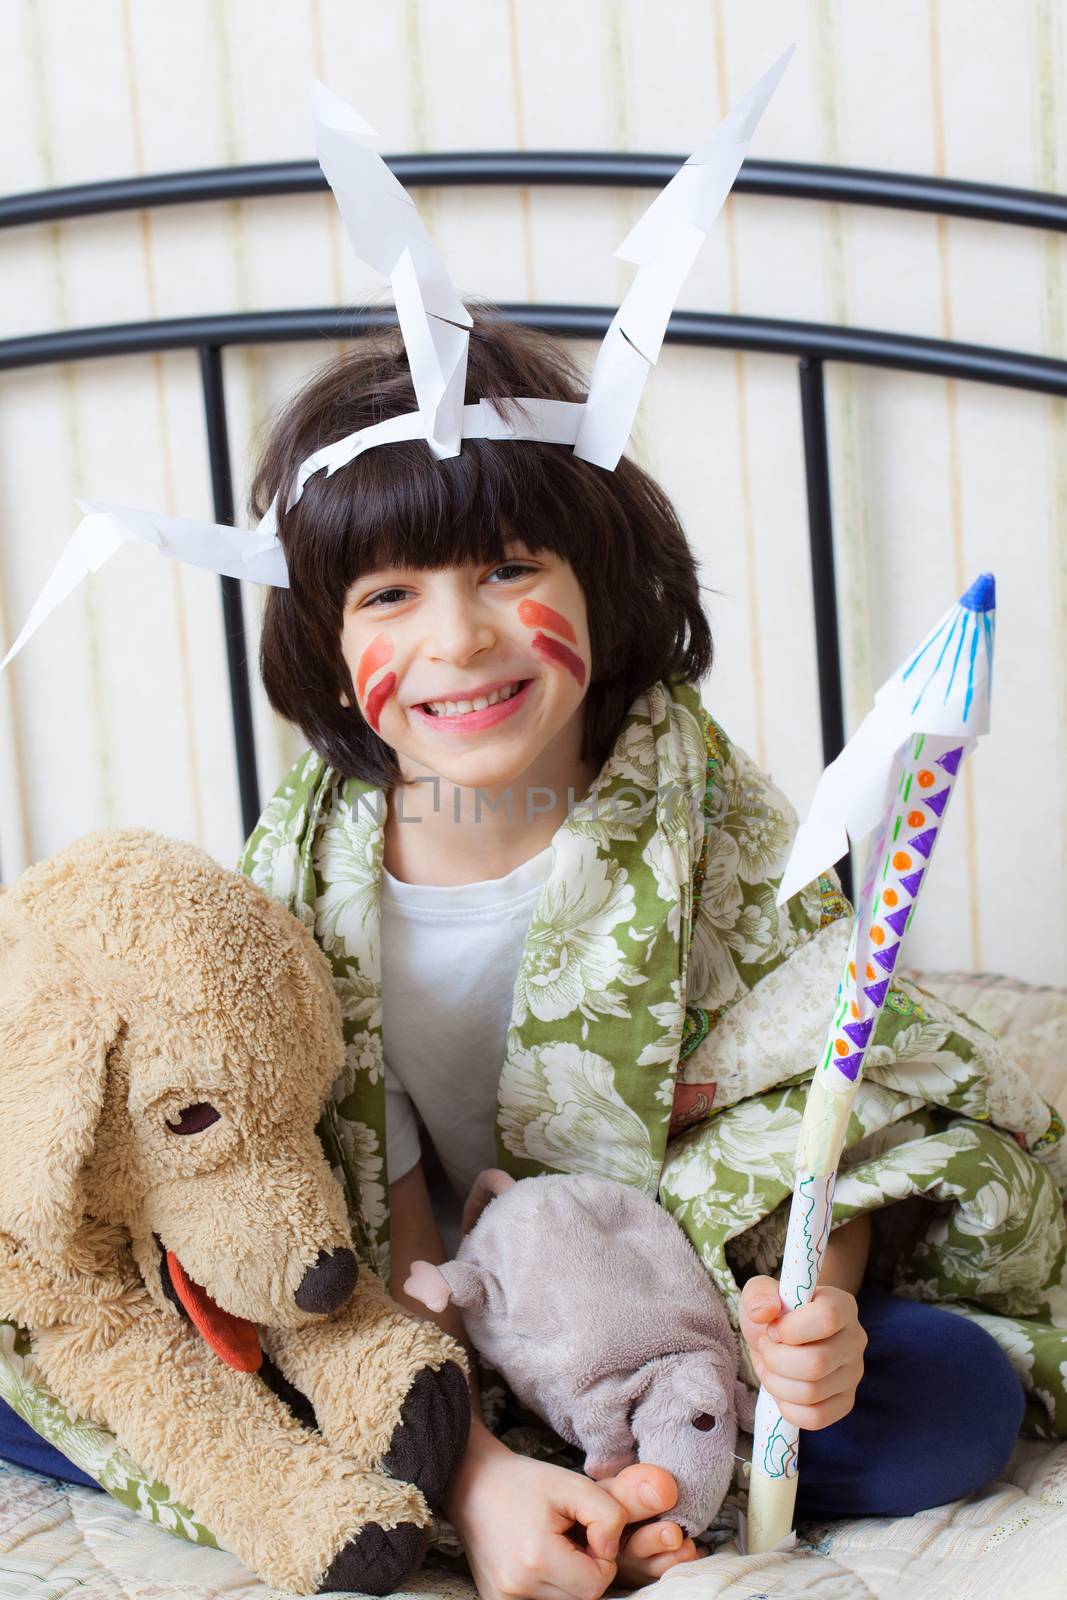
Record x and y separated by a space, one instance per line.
1009 1541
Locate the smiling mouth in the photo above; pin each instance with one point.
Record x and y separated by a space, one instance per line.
455 710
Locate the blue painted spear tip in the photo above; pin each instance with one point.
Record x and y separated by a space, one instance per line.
982 595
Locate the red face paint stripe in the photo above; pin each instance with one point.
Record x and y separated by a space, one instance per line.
377 698
535 615
377 653
552 650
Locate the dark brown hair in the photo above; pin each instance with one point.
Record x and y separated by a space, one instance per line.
398 505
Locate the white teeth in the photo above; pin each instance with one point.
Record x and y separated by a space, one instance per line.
459 708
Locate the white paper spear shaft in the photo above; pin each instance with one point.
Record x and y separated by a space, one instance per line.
945 682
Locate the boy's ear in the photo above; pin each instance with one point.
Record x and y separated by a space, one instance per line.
54 1043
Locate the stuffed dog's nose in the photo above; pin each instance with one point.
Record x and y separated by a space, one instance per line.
327 1285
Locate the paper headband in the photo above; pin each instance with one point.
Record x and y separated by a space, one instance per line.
386 232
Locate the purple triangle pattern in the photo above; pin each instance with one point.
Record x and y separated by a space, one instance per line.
937 802
951 761
849 1065
876 993
924 842
910 884
859 1032
887 959
897 920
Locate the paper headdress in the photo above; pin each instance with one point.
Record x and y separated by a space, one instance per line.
386 232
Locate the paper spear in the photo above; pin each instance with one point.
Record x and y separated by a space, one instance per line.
897 776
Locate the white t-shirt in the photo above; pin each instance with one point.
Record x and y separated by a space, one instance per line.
450 956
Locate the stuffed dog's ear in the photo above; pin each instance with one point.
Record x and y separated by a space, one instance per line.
54 1042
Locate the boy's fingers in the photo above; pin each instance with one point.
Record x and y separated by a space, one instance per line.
642 1491
807 1362
823 1316
813 1418
811 1392
579 1573
589 1587
760 1300
600 1514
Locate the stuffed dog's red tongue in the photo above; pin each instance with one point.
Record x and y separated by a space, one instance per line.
232 1338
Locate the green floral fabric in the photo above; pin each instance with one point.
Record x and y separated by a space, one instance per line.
665 1022
667 1016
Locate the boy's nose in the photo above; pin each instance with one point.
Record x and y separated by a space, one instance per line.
459 632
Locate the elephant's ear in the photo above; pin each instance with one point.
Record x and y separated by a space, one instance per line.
746 1406
54 1041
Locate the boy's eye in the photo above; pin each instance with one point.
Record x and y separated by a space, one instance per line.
387 596
509 570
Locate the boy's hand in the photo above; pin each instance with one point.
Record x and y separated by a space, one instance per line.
810 1360
514 1514
522 1523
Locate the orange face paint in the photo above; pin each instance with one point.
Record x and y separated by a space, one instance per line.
561 656
534 615
377 653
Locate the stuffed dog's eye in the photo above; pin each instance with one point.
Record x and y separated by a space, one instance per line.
704 1422
194 1119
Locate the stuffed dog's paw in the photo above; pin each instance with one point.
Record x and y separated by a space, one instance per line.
376 1561
432 1433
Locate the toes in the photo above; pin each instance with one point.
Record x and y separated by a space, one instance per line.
653 1539
645 1490
376 1561
431 1435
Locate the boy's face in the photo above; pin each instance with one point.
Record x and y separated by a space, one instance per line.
411 637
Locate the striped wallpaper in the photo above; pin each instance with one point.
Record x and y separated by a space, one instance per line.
118 710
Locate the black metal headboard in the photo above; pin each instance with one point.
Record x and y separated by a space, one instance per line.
810 344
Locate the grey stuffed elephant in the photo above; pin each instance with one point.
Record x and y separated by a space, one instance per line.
590 1301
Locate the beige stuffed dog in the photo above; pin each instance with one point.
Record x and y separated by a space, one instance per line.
170 1230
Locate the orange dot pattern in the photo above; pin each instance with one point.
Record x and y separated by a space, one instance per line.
852 1034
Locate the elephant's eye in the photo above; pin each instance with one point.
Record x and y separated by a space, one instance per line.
194 1119
705 1422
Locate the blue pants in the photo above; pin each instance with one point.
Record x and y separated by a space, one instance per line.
936 1416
